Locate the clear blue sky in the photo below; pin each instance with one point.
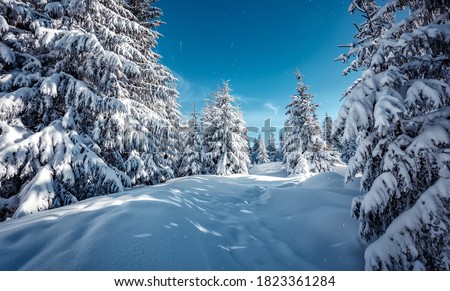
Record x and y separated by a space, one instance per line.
257 45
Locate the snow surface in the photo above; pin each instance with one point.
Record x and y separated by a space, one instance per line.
269 169
241 222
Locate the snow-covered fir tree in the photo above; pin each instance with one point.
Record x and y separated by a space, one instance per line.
253 151
293 156
85 105
192 155
304 149
272 150
319 154
401 109
207 134
327 129
225 135
261 153
281 135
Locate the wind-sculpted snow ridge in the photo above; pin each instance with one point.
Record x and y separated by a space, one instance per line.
241 222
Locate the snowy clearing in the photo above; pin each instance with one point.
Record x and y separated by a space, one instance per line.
254 222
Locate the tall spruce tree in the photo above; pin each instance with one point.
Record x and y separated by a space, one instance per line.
83 103
272 150
254 151
320 156
293 156
401 109
225 136
261 153
327 129
192 156
304 150
281 136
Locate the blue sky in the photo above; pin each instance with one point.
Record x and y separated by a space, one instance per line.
257 45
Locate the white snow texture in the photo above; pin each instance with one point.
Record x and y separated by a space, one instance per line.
241 222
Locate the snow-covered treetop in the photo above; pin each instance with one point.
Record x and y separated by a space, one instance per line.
412 48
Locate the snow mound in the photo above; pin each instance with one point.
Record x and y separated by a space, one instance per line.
269 169
241 222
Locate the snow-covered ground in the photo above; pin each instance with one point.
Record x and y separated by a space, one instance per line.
263 221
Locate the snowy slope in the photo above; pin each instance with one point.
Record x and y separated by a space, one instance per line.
269 169
239 222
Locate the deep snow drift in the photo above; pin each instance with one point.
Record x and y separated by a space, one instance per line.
254 222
